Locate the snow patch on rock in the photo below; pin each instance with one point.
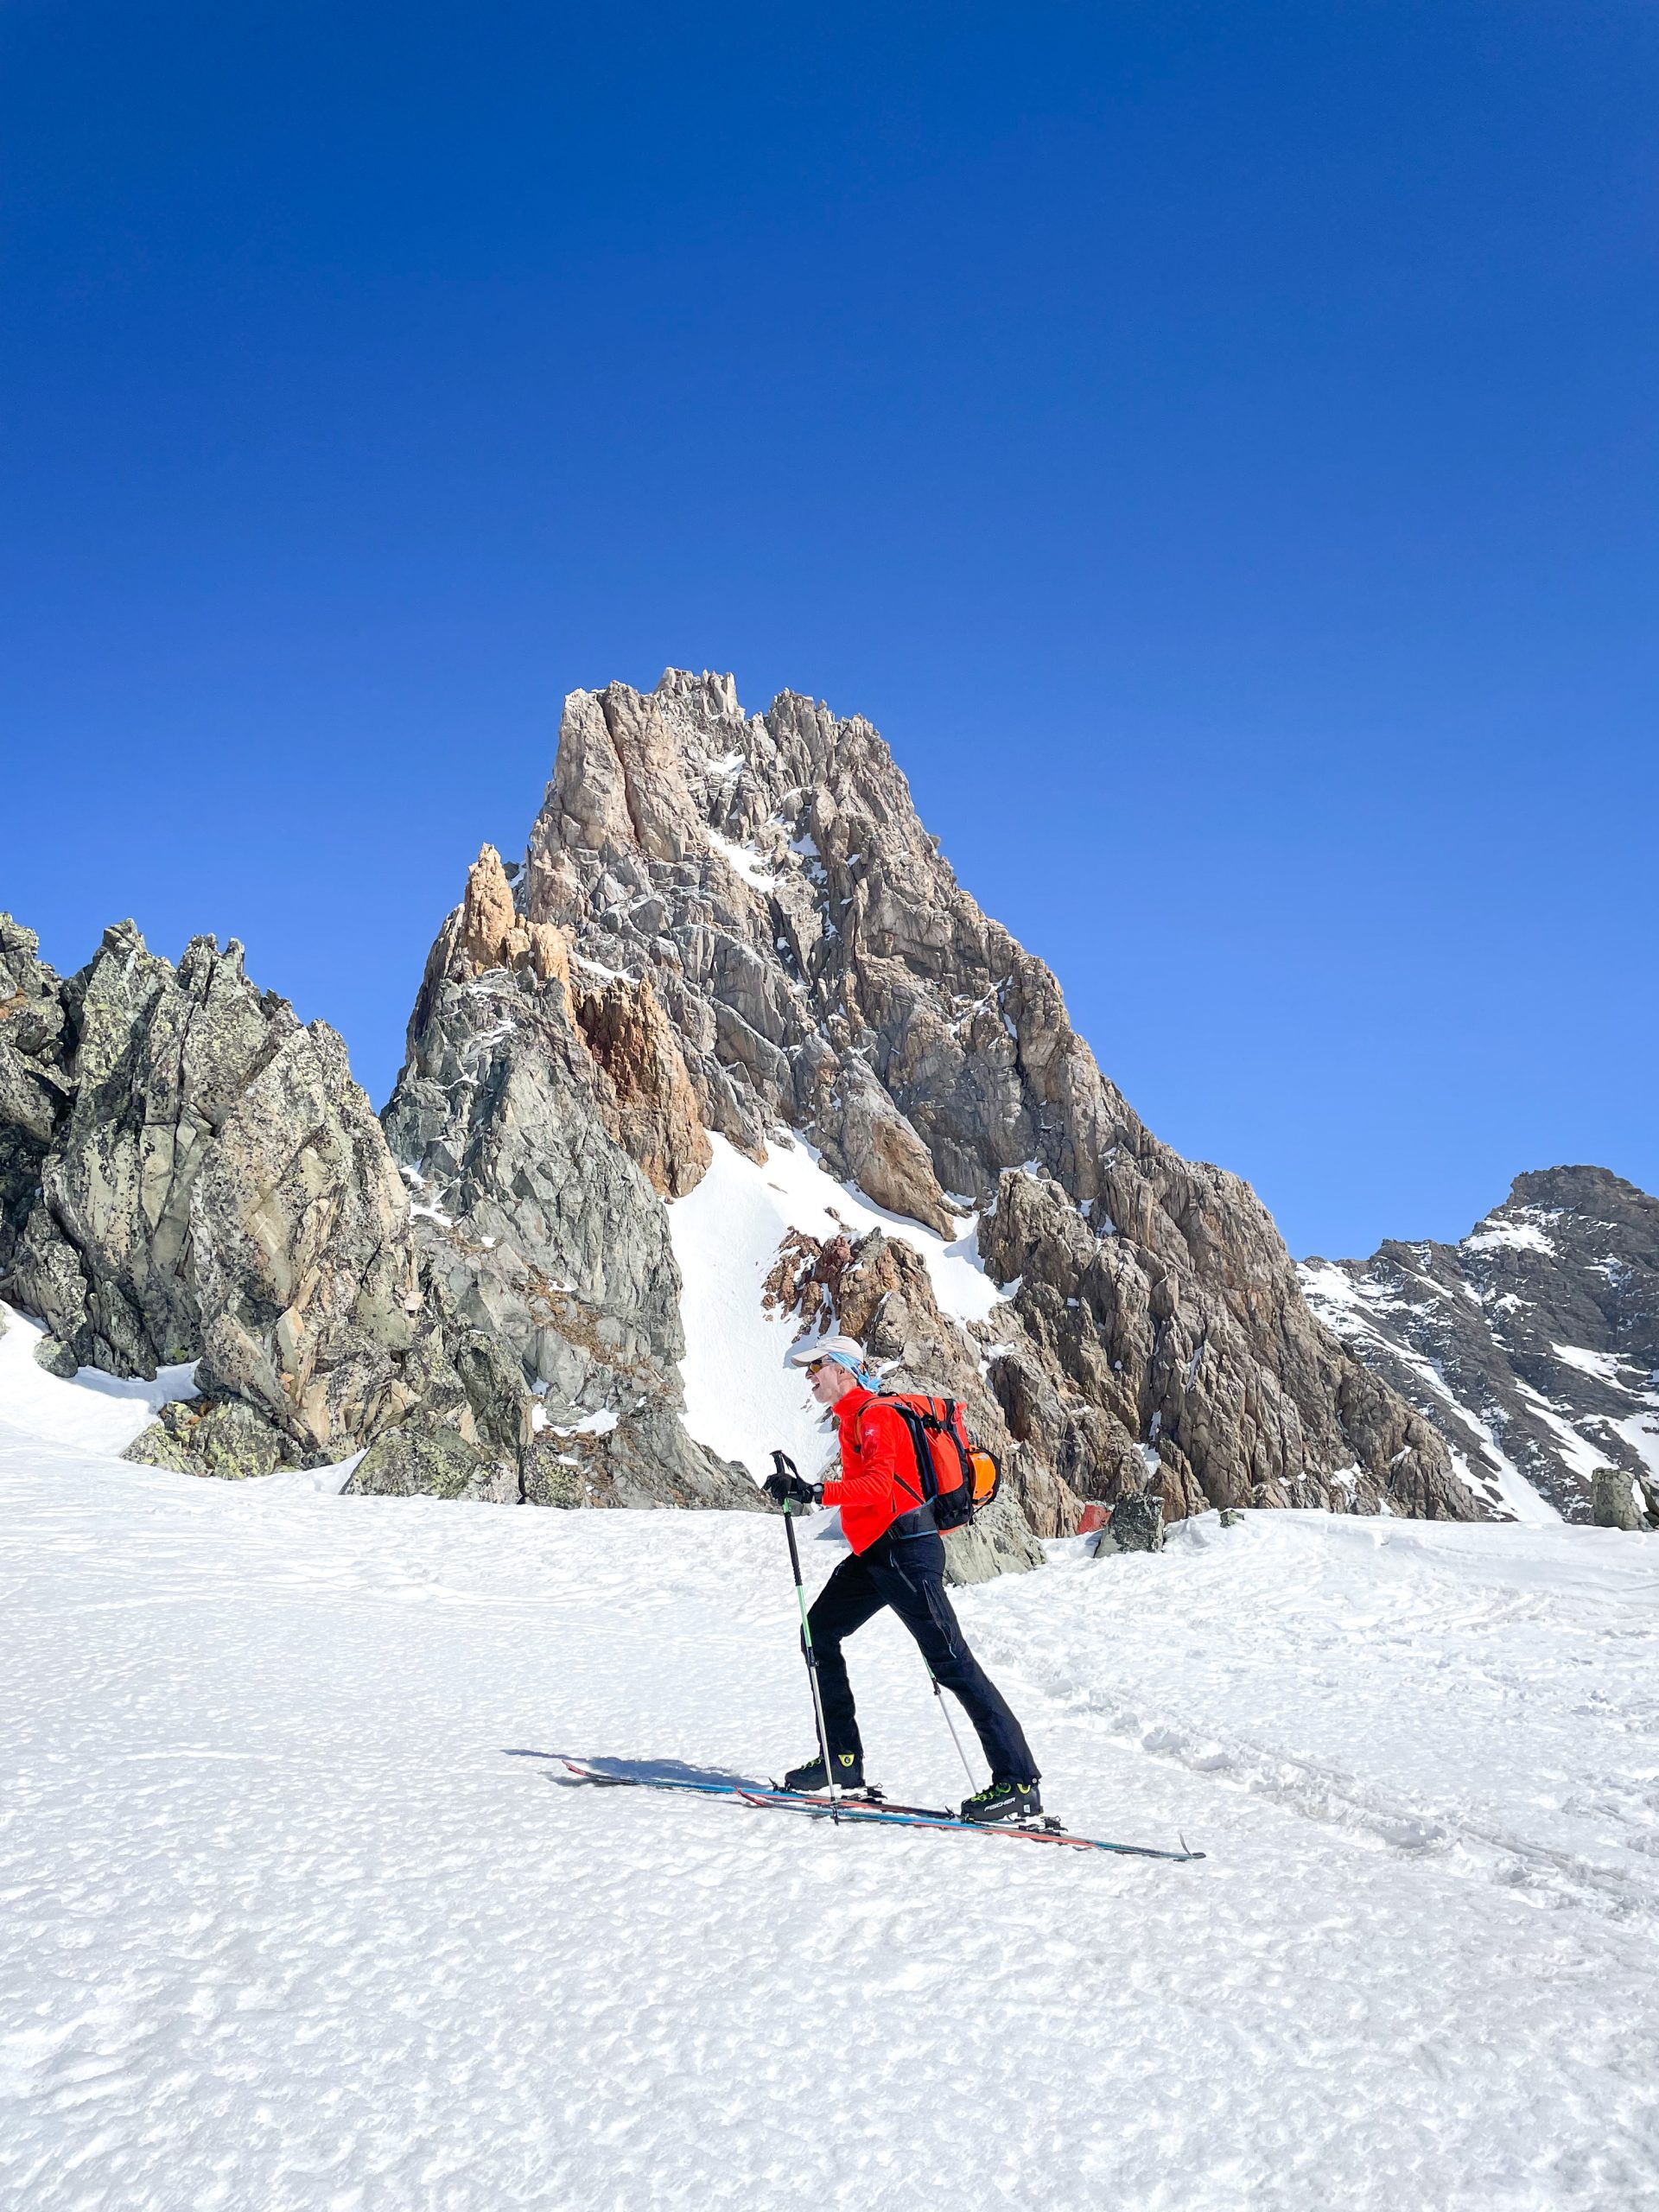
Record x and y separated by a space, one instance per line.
1512 1235
95 1412
746 861
740 1398
1603 1366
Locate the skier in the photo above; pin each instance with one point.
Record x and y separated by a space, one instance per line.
897 1561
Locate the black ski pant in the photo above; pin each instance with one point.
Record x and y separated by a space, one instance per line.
907 1572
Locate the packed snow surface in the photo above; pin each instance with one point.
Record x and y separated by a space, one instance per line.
298 1914
740 1398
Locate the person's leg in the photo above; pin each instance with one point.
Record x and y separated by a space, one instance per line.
847 1600
911 1577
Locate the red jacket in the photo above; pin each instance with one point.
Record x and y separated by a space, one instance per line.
879 1478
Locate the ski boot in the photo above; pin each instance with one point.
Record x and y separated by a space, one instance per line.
812 1780
1005 1802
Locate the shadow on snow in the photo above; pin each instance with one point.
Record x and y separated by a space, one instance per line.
673 1773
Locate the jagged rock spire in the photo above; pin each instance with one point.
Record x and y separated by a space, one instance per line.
765 884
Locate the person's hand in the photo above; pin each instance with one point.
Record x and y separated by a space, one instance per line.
789 1489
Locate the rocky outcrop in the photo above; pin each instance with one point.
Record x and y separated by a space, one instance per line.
194 1177
34 1093
1622 1500
1532 1345
765 882
215 1187
1136 1525
224 1437
425 1457
648 1104
538 1125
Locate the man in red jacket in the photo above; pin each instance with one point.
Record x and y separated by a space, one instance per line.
897 1561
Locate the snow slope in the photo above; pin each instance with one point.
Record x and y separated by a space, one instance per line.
296 1915
100 1412
740 1398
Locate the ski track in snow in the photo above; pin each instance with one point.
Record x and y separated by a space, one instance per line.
287 1926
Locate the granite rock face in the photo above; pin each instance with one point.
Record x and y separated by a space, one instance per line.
758 937
35 1094
218 1189
539 1125
424 1457
1532 1345
222 1437
208 1184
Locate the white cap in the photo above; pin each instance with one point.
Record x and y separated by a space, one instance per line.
844 1350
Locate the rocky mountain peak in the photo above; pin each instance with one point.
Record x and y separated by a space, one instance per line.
731 1057
1532 1343
773 868
767 946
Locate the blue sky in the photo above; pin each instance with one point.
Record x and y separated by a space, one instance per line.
1215 444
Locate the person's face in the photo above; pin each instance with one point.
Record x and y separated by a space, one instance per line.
827 1382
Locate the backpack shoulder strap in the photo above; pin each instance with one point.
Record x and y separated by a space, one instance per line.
897 1402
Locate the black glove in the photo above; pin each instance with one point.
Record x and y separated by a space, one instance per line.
788 1489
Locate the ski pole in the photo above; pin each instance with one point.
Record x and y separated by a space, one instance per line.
785 1466
939 1693
951 1725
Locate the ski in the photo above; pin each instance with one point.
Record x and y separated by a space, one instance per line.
1048 1831
750 1793
873 1800
876 1811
